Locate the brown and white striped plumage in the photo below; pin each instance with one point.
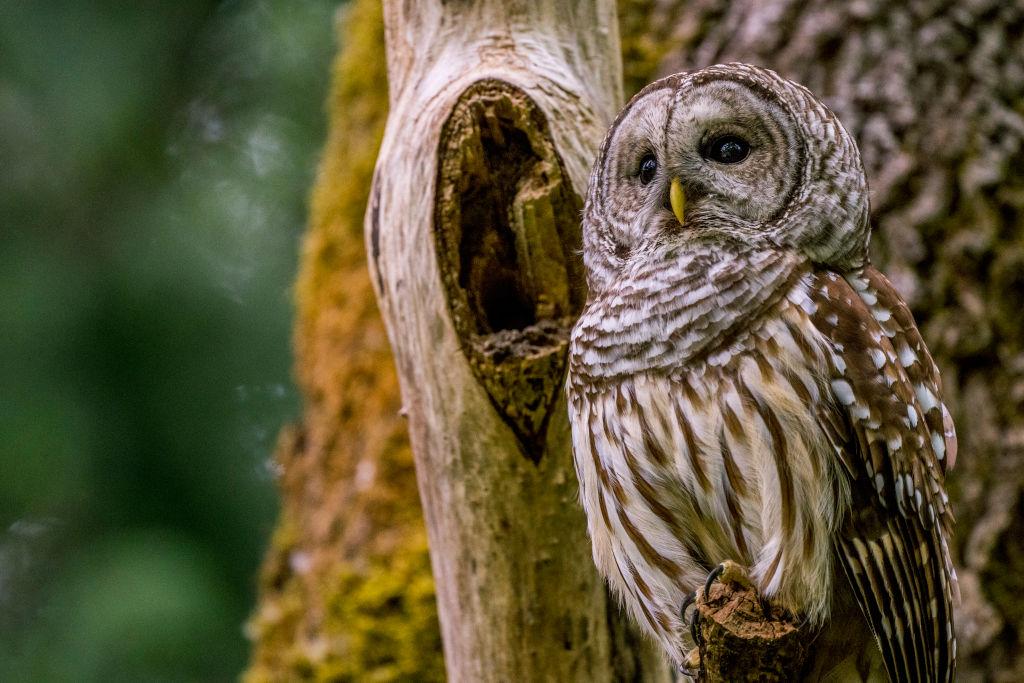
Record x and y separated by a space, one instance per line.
745 386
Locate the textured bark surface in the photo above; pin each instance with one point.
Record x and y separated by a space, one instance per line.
742 639
496 111
933 92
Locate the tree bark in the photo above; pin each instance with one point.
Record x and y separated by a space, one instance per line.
741 638
496 112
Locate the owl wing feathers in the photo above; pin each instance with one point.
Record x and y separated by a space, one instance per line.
895 439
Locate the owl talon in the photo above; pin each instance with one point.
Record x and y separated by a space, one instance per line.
687 602
695 628
766 607
715 573
728 572
694 617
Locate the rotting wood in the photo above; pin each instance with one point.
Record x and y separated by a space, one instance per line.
508 241
745 639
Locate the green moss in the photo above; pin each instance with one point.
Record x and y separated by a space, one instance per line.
346 588
387 618
380 624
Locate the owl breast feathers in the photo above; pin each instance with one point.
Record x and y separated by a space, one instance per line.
744 386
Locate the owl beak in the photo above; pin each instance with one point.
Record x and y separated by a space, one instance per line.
677 198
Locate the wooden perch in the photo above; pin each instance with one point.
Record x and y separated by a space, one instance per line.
743 639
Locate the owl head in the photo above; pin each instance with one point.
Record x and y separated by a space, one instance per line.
733 155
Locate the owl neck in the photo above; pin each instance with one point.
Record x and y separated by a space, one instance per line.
668 310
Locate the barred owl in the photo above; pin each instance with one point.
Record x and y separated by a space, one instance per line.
743 385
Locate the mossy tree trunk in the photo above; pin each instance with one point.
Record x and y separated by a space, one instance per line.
496 111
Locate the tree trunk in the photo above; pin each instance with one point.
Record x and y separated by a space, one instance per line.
497 109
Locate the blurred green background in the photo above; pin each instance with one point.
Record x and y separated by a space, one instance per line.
154 163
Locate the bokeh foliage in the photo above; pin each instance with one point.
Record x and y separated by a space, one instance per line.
156 161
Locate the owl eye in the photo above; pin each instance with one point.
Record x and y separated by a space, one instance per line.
648 167
727 149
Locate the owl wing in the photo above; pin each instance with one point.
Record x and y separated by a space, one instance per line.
896 440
